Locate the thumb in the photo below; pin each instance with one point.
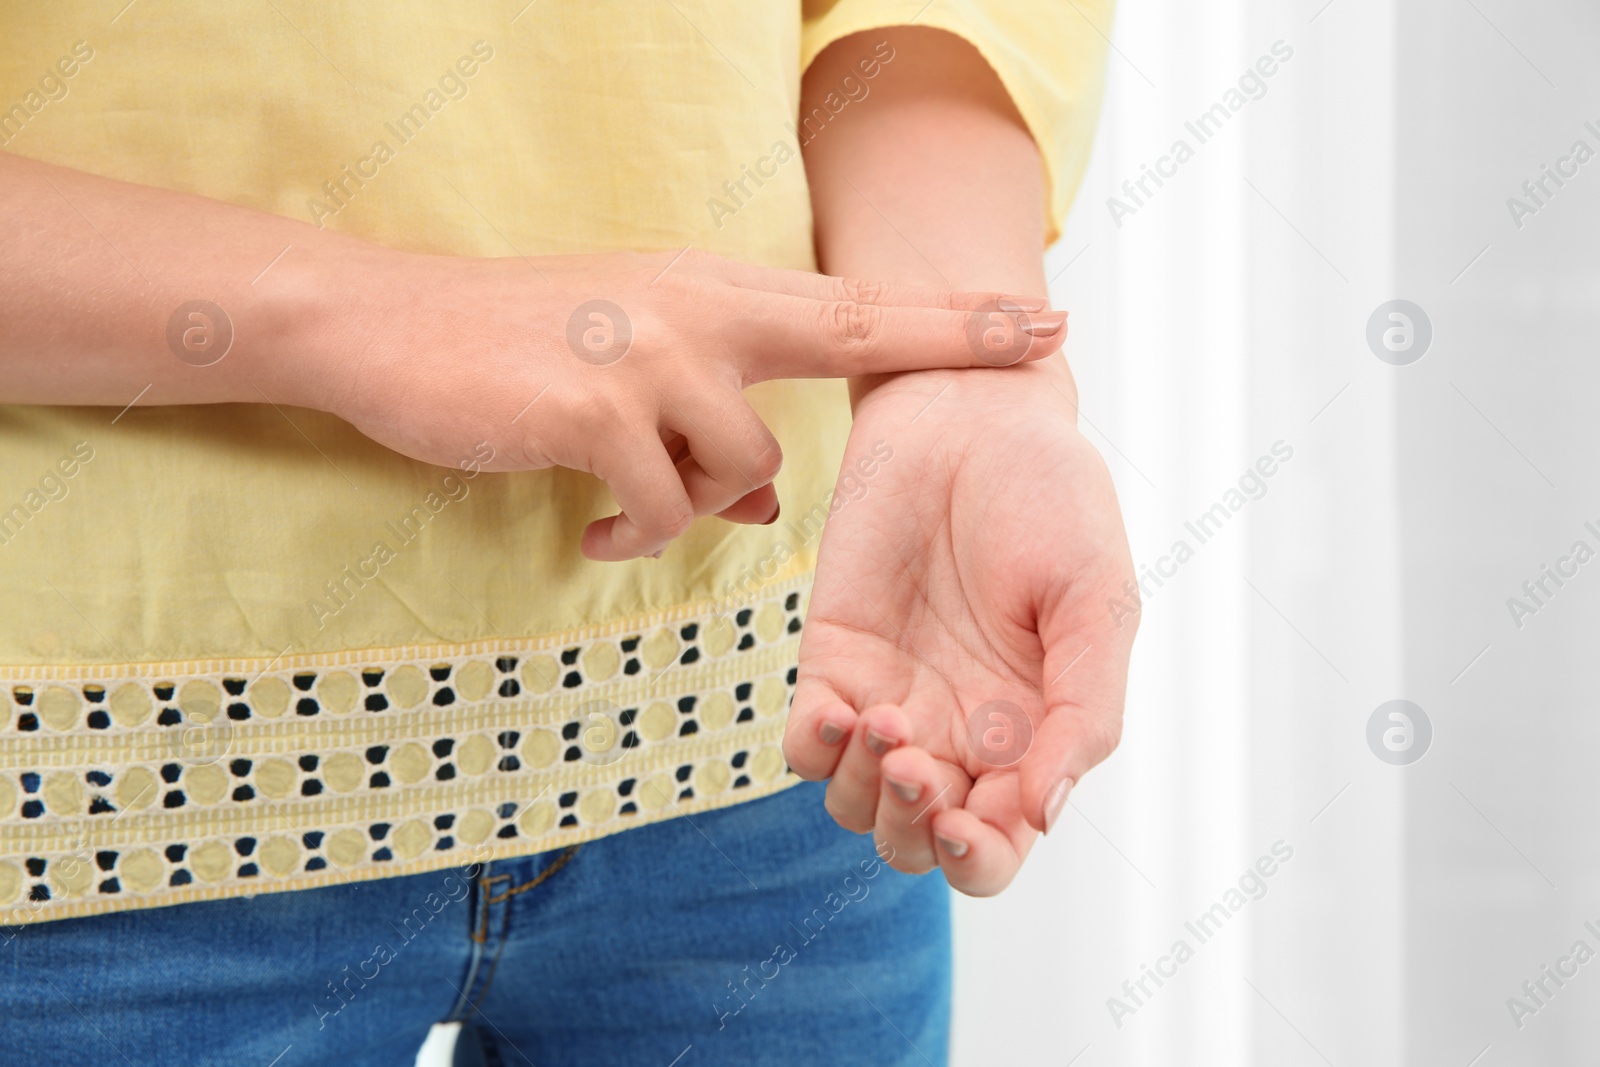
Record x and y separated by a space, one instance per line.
1084 684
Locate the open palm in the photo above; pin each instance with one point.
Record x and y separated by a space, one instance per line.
960 667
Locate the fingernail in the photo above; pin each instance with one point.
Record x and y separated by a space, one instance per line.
1054 801
877 744
830 733
657 554
1013 304
777 508
951 845
906 791
1048 326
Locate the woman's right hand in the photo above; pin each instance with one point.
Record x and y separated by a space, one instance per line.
631 367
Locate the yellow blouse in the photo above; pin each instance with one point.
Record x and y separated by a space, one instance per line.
243 649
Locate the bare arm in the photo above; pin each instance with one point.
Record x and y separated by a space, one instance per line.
434 356
958 671
91 271
932 179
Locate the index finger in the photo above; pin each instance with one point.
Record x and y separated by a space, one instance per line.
781 336
814 286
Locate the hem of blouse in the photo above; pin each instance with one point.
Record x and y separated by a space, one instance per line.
420 865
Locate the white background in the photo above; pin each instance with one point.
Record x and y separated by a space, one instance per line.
1229 312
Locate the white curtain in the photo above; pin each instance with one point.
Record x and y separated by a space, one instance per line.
1421 544
1221 316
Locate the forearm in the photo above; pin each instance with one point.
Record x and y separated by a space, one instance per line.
94 271
931 179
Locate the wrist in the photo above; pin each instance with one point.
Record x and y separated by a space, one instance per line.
1047 382
316 320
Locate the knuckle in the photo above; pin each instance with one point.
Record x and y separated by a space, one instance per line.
861 291
675 519
794 757
845 817
900 861
802 762
905 865
528 452
766 461
982 889
851 325
599 412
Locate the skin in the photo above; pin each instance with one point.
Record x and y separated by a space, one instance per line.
978 565
94 268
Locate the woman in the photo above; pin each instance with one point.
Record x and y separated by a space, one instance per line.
335 673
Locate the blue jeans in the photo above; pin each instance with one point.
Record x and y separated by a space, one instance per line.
757 934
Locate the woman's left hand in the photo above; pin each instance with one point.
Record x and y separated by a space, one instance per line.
961 665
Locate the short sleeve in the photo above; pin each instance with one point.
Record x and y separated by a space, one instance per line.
1050 56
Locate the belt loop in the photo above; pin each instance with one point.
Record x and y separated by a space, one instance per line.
486 883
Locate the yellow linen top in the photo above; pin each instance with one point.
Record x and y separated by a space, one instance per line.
244 649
